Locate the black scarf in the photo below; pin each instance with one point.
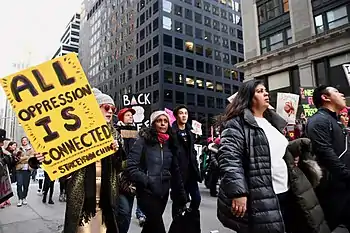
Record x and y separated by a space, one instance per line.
107 195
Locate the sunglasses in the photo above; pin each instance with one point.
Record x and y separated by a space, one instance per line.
108 107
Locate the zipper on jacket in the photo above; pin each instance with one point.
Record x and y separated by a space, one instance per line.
162 159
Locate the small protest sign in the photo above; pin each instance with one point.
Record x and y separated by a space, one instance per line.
60 115
40 174
197 128
287 105
141 103
307 102
5 186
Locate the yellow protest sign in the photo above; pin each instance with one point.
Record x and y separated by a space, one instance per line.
60 115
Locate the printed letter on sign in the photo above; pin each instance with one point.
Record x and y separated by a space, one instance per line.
58 111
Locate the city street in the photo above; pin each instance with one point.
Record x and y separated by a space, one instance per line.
37 217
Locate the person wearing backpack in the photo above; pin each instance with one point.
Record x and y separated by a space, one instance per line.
331 146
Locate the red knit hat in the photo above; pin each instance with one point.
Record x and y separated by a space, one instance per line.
122 112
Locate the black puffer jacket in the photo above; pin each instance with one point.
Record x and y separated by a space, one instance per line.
245 166
154 167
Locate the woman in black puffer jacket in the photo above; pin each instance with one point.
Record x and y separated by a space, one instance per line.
263 189
152 165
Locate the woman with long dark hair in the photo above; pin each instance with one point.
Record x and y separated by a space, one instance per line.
262 189
152 165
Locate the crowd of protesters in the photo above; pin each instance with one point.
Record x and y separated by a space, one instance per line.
269 182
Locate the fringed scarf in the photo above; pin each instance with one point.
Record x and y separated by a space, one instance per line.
109 189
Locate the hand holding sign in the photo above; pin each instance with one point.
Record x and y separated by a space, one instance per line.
56 107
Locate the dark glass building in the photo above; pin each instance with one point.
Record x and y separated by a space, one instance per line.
182 52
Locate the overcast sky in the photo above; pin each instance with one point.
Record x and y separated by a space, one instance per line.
31 30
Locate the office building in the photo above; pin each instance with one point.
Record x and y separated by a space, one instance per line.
182 52
69 41
296 43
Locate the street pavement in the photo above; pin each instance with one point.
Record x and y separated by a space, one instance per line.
37 217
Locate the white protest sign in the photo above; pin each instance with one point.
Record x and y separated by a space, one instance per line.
197 127
346 68
287 106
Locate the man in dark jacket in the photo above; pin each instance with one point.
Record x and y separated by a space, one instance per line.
330 144
187 159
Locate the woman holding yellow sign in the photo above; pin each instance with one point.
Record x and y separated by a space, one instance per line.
90 204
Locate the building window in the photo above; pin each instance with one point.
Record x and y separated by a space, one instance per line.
209 85
198 3
155 96
219 103
215 10
276 41
168 58
178 10
198 18
155 23
226 58
189 81
209 68
200 83
217 40
191 99
189 64
227 88
289 36
209 52
142 84
178 27
189 30
167 6
199 49
207 36
155 41
285 5
199 33
201 100
188 2
179 79
224 28
155 7
207 21
155 77
319 24
225 43
189 46
216 25
168 76
217 55
167 24
155 59
180 97
210 102
206 6
149 81
179 61
337 17
218 71
269 10
240 48
179 44
167 40
168 96
227 73
200 66
219 87
239 34
188 14
233 45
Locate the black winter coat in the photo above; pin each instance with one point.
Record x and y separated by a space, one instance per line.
329 141
187 159
245 167
5 160
154 167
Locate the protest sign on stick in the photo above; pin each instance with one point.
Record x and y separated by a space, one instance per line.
5 186
56 106
287 105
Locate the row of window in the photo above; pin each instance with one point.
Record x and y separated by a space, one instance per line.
186 29
178 10
231 4
332 19
271 9
193 99
276 41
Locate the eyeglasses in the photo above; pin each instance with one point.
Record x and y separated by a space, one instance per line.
108 107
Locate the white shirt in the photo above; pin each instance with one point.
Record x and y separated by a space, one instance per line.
278 145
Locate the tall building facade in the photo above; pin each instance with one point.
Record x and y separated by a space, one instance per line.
70 39
181 52
296 43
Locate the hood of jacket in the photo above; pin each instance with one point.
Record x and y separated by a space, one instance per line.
302 149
